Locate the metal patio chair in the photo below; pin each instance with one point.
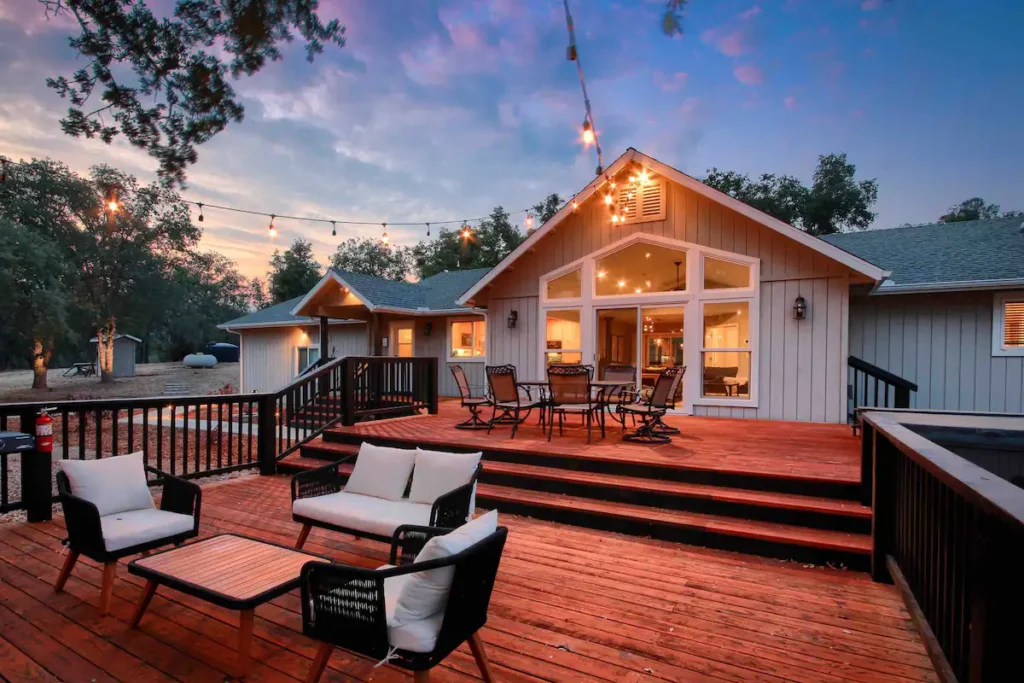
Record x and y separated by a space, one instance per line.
474 403
505 397
653 410
570 394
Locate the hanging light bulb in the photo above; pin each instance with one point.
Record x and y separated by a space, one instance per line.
334 229
575 205
384 239
428 229
200 205
466 232
3 171
529 221
112 205
607 199
588 132
643 176
271 230
615 218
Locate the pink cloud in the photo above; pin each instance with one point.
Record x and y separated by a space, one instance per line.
749 74
790 103
731 44
670 82
692 111
750 13
870 5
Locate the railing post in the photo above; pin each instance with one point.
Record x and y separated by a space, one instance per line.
432 384
348 390
867 441
267 442
36 476
902 398
883 518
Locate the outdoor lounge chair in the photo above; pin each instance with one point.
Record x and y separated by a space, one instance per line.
505 397
110 513
652 429
411 615
570 393
373 502
474 403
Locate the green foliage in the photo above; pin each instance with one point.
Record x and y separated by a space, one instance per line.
546 208
164 79
487 245
672 18
975 209
369 256
294 272
835 201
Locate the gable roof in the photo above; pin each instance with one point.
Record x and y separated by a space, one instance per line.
849 260
278 315
967 255
435 294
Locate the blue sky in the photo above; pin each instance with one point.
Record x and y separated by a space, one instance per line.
444 108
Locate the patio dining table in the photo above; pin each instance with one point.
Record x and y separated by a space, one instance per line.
604 388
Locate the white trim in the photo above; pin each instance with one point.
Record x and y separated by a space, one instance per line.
448 358
999 302
821 246
754 314
889 287
118 335
241 363
393 343
302 322
297 347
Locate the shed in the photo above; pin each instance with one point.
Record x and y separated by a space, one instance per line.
125 349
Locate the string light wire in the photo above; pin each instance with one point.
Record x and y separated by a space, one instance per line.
574 55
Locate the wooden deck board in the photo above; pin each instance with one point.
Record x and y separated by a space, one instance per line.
570 604
794 450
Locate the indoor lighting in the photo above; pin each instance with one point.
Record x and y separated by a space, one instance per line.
647 255
648 284
622 283
601 273
637 290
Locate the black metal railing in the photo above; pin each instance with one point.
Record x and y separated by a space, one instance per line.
869 386
951 537
376 387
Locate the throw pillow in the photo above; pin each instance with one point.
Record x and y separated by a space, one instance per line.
436 473
426 593
115 484
381 472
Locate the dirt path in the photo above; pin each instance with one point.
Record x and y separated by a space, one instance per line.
150 380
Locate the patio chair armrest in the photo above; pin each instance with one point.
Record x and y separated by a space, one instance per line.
318 482
409 539
345 606
82 519
180 496
452 509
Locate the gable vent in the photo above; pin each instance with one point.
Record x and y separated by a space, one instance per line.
647 203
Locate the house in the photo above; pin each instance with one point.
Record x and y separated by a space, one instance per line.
126 348
349 314
950 317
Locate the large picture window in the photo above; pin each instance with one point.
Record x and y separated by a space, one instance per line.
725 355
563 337
468 339
568 286
640 268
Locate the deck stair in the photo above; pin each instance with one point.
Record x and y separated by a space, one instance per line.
791 517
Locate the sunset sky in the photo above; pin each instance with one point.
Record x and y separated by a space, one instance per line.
443 109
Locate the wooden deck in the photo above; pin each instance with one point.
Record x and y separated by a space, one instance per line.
570 605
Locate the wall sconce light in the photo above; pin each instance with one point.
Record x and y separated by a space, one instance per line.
800 308
512 318
427 327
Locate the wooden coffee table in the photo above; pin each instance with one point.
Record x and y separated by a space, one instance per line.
227 570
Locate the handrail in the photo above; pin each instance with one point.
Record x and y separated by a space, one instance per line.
950 536
879 373
869 386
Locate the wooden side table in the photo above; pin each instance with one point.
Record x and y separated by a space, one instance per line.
232 571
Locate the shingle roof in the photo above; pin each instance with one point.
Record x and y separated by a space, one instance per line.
278 313
970 251
437 293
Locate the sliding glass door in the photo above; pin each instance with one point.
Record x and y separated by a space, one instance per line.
648 338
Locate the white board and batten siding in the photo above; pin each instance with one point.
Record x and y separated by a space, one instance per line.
942 343
802 369
269 354
436 344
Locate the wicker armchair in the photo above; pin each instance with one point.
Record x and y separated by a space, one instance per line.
348 607
105 538
506 398
474 403
570 393
652 430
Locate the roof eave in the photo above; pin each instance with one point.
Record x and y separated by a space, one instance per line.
961 286
329 276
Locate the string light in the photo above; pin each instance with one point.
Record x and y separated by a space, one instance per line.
588 133
3 171
529 221
384 239
575 206
643 176
334 229
466 232
200 205
112 204
608 199
271 230
573 54
428 229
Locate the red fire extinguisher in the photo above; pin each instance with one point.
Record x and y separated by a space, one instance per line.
44 433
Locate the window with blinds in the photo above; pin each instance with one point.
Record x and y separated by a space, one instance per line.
1008 325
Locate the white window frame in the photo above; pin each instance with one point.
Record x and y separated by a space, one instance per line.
999 302
691 299
543 336
295 365
392 345
448 339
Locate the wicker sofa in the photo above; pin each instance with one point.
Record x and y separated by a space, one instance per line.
388 488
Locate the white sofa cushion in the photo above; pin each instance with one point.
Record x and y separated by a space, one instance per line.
362 513
112 484
416 636
426 593
436 473
381 472
134 527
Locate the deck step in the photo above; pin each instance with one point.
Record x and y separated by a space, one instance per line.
780 540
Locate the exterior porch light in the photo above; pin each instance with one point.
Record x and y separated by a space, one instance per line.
513 317
800 308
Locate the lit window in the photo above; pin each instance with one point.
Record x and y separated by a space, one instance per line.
468 339
563 338
1008 327
726 350
641 268
566 286
719 274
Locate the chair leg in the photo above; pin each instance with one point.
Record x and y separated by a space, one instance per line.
316 669
490 423
303 535
65 572
515 422
477 646
107 588
588 426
